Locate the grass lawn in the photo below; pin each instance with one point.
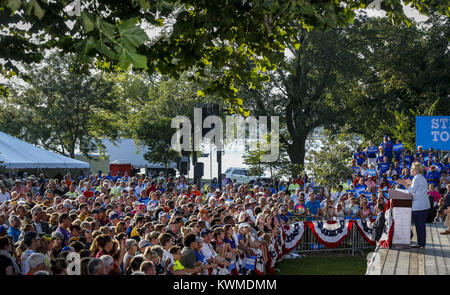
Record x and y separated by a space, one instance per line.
321 264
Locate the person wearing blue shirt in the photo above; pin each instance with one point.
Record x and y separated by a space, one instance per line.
313 205
433 176
14 229
388 145
359 156
371 152
446 164
439 166
408 157
397 168
384 167
281 186
420 151
380 158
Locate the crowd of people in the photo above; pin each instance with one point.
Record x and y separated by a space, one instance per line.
130 225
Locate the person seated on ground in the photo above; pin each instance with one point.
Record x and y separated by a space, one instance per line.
440 215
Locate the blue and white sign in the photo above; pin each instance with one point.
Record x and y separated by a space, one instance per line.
360 189
433 131
398 147
371 172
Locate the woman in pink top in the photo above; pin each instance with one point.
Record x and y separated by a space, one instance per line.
434 193
371 185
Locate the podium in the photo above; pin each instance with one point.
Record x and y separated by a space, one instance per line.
402 210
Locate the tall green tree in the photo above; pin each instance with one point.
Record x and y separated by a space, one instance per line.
406 75
223 34
310 89
64 107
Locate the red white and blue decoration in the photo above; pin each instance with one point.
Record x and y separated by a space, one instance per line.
365 228
293 234
260 266
330 233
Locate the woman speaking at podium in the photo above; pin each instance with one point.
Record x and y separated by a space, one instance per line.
420 204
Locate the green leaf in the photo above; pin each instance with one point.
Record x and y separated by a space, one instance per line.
108 29
38 11
104 49
132 34
87 22
200 93
13 4
145 4
86 45
126 58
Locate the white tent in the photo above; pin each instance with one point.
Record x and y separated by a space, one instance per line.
18 154
125 151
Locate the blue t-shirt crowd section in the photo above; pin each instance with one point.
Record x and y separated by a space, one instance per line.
158 225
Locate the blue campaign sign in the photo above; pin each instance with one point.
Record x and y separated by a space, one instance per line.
398 147
371 172
433 132
360 189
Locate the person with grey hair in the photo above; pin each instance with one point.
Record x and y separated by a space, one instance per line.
96 267
14 227
36 262
131 247
138 273
41 272
108 262
41 226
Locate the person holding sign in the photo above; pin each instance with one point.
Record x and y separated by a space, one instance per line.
371 152
420 204
359 156
398 150
388 145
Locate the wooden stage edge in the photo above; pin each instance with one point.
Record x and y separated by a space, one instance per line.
433 260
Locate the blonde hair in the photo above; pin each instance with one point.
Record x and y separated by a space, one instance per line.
417 167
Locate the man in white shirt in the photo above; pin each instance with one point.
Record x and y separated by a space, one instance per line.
139 188
251 209
4 194
208 250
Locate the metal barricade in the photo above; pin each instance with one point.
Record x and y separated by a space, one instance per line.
353 242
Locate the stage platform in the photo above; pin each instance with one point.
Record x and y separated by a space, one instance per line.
433 260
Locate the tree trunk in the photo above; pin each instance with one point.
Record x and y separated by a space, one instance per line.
296 150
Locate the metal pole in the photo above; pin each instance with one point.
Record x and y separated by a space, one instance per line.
219 168
210 162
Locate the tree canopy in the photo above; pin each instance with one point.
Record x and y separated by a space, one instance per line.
242 39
